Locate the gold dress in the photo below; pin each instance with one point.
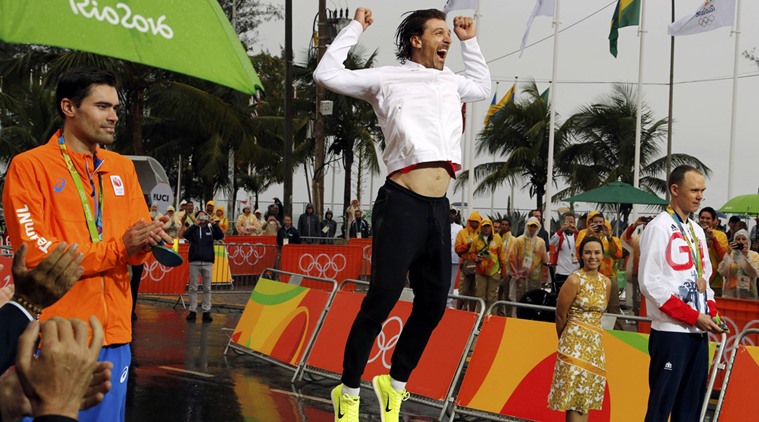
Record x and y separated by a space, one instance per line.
579 377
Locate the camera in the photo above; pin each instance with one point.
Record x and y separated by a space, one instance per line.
738 246
203 218
647 219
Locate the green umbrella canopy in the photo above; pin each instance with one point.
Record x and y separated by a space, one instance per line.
743 204
192 37
617 193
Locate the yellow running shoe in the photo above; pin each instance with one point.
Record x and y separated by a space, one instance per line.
346 407
389 399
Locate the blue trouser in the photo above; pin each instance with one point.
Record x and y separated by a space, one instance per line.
113 407
677 376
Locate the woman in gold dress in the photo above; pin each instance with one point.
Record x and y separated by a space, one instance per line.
579 377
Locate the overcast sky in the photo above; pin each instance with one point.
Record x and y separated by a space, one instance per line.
703 70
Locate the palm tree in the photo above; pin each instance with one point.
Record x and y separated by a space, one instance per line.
602 146
517 134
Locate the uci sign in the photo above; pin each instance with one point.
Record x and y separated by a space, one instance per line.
162 195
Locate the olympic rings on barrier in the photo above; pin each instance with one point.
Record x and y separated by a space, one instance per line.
239 254
323 265
385 344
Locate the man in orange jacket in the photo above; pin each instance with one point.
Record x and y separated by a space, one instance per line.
72 190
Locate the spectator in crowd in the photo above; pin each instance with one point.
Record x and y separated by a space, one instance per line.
679 301
496 226
272 226
565 240
599 227
582 223
350 212
455 229
359 227
277 209
717 243
154 214
187 216
506 238
631 238
542 233
730 225
221 219
113 228
467 264
527 254
247 223
210 208
739 268
490 257
173 224
201 255
261 220
288 234
754 238
308 225
505 228
328 227
579 375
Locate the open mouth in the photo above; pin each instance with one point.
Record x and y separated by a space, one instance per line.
442 53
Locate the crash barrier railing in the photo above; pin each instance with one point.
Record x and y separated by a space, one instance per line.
440 367
508 377
366 264
281 319
737 398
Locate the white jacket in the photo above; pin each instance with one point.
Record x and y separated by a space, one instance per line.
668 272
419 109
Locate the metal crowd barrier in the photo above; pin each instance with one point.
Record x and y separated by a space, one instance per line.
728 372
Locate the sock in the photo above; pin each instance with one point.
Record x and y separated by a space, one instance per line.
397 385
355 392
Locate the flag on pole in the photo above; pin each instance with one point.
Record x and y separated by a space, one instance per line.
627 13
542 8
459 4
544 95
711 15
508 98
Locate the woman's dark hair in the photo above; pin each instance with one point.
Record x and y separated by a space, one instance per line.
412 25
75 84
585 241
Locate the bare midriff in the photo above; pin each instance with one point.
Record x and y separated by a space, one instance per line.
427 179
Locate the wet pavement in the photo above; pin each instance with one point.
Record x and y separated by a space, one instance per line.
180 373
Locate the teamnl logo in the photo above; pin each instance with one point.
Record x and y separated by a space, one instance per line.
122 15
25 220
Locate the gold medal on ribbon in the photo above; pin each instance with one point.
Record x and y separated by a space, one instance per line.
701 284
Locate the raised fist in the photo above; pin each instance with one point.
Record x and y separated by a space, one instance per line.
364 17
464 27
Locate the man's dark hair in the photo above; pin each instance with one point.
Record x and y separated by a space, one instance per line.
678 175
75 84
506 219
734 219
710 210
413 24
568 214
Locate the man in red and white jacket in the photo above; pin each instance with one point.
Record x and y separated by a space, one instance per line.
674 267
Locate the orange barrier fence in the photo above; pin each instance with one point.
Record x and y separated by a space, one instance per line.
336 262
280 319
438 365
253 240
5 272
251 259
158 279
511 369
740 395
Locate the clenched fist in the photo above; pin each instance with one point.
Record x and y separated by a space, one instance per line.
464 27
364 17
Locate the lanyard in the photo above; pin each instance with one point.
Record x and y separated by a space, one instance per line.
695 250
94 223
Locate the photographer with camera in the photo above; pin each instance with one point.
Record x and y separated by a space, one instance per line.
565 260
490 257
631 238
201 236
717 242
739 268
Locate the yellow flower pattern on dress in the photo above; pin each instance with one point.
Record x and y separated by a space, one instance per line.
579 377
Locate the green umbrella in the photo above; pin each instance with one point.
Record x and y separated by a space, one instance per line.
618 193
743 204
192 37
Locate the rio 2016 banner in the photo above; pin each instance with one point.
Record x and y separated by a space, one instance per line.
438 364
512 366
279 319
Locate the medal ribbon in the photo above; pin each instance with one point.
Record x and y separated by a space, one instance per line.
94 223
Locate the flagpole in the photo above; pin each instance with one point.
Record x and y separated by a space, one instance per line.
470 156
731 157
552 119
639 114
